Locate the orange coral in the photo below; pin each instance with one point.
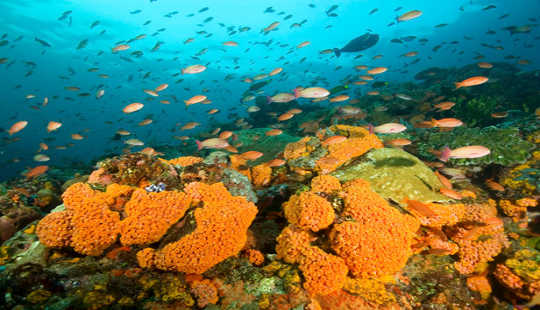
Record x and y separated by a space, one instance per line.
527 202
184 161
515 211
309 211
436 214
379 241
261 175
344 151
54 230
508 278
325 184
205 292
254 257
239 164
297 149
480 284
140 225
479 244
324 273
291 243
221 226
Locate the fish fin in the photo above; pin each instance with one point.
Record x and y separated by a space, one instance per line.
434 122
445 154
337 52
458 85
199 145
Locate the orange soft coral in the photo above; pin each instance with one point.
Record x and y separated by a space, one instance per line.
254 257
324 273
479 244
291 243
297 149
325 184
261 175
344 151
309 211
221 228
184 161
140 225
515 211
54 230
378 241
436 214
205 292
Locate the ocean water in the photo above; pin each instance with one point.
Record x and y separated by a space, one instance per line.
49 47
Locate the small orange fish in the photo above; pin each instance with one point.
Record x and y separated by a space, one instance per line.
276 163
339 98
161 87
450 193
275 71
333 140
285 116
231 149
212 143
294 111
305 43
151 92
399 142
213 111
76 136
38 170
52 126
145 122
251 155
422 209
444 181
225 135
485 65
190 125
195 99
273 132
377 70
494 185
499 114
366 77
43 147
18 126
447 122
120 47
472 81
373 93
443 106
230 43
133 107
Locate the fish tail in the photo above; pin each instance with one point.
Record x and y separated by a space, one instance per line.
445 154
183 70
371 128
337 52
268 99
296 93
199 145
458 85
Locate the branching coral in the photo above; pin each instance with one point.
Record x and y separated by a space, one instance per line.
221 226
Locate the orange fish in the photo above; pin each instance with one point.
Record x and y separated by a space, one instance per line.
444 181
471 151
399 142
294 111
472 81
271 27
305 43
76 136
273 132
275 71
231 149
251 155
215 131
377 70
225 135
276 163
499 114
161 87
333 140
133 107
145 122
193 69
190 125
120 47
447 122
43 147
339 98
212 143
165 101
485 65
366 77
151 92
443 106
213 111
285 116
53 126
494 185
18 126
38 170
450 193
409 15
230 43
419 208
195 99
373 93
359 82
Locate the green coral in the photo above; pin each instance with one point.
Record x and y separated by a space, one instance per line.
506 145
394 174
256 139
477 111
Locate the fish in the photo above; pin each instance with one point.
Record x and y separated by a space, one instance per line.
120 47
190 125
52 126
358 44
277 162
273 132
333 140
212 143
471 151
100 93
285 116
195 99
41 158
42 42
446 122
389 128
409 15
281 97
472 81
377 70
311 92
225 134
193 69
251 155
36 171
133 107
161 87
18 126
275 71
443 106
399 142
134 142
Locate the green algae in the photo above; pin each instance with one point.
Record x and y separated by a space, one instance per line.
394 174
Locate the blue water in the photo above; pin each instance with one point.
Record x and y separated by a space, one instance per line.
32 68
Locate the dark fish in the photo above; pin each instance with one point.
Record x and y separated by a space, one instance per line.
373 11
203 9
135 12
398 8
441 25
64 15
396 41
504 16
358 44
269 10
333 7
489 7
82 44
94 24
42 42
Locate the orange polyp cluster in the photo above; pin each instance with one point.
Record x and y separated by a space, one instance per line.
239 164
515 211
254 257
479 244
261 175
323 273
339 153
292 242
309 211
325 184
221 229
297 149
55 230
205 291
142 210
436 214
184 161
508 278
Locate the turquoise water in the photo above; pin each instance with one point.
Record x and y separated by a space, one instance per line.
81 35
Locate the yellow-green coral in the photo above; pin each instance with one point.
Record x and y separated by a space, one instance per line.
526 264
